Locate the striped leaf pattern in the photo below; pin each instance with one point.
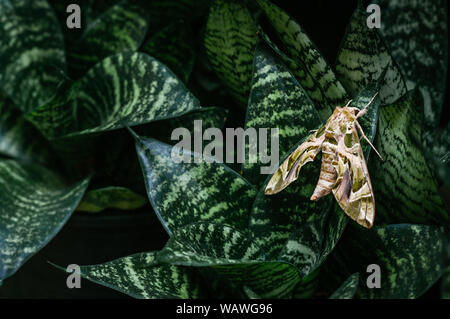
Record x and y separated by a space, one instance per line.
32 58
115 197
325 90
403 183
35 204
363 57
183 193
141 276
409 256
173 46
233 255
124 89
230 41
417 34
348 288
120 28
18 138
277 101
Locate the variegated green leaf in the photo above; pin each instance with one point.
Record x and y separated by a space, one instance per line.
115 197
120 28
417 34
124 89
32 58
348 288
440 155
404 187
141 276
35 204
445 284
363 57
173 46
409 257
230 41
183 193
18 138
324 89
276 101
233 255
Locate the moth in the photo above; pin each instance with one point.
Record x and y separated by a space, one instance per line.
343 169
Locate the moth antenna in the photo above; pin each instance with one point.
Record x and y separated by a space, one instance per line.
364 109
349 103
368 141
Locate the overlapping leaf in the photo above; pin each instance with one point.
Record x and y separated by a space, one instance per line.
120 28
98 200
348 288
409 256
32 57
417 34
276 101
35 204
320 82
233 255
230 41
363 57
173 46
141 276
124 89
183 193
404 187
18 138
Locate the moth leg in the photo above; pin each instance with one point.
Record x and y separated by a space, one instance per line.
367 140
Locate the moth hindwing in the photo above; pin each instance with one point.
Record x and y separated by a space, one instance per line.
343 170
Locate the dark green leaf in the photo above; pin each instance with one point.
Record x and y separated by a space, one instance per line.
276 101
230 41
324 89
173 46
97 200
404 187
183 193
120 28
141 276
417 34
409 256
348 289
125 89
363 57
32 58
35 204
233 255
18 138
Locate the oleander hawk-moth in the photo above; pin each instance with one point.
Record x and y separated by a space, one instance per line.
343 170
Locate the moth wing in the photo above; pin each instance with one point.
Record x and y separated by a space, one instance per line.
290 169
353 189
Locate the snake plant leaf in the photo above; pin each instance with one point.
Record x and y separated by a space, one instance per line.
32 57
363 57
174 46
445 284
126 89
277 101
326 91
409 257
141 276
230 41
183 193
233 255
404 187
420 47
115 197
120 28
18 138
36 203
440 155
348 288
